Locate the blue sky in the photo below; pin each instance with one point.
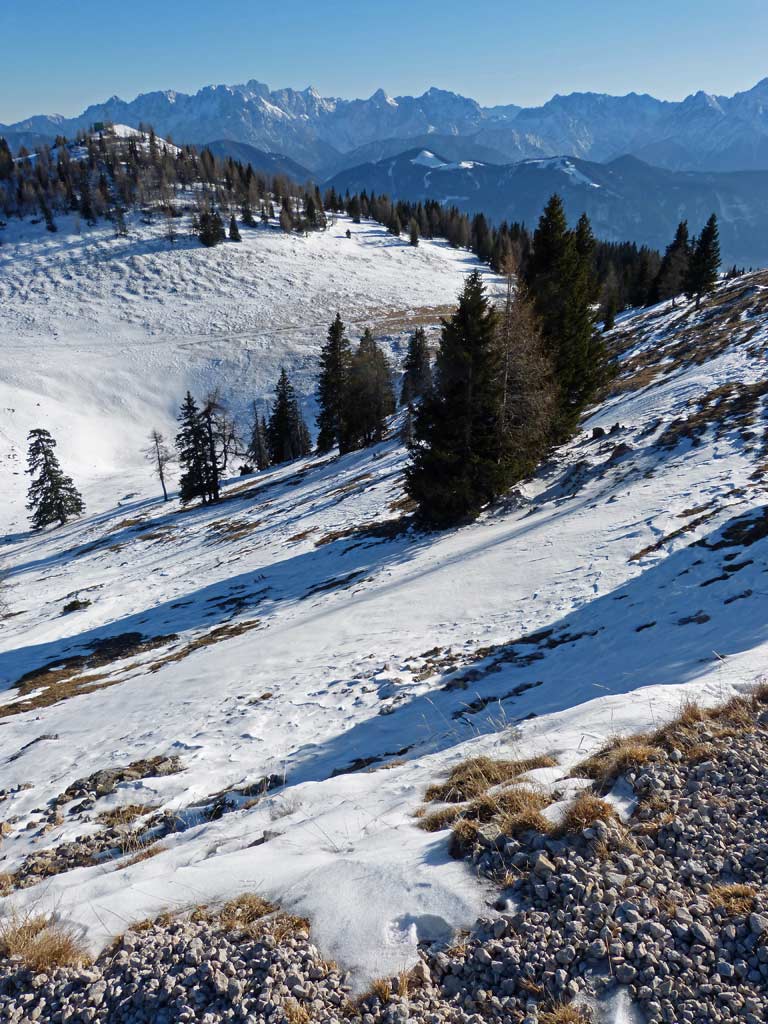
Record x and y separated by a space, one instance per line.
59 57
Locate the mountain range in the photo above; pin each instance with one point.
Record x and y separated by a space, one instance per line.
624 198
327 134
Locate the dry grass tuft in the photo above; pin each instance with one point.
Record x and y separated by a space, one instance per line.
120 816
241 913
381 989
41 942
463 837
145 853
6 883
621 755
471 778
295 1013
566 1013
584 811
737 900
525 821
439 820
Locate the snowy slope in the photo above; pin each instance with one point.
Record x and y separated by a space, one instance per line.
101 336
302 632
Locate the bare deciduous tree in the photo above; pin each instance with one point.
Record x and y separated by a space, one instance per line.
160 455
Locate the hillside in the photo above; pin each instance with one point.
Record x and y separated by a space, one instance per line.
101 336
624 199
274 681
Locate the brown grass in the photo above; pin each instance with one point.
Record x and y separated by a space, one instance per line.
529 820
737 900
223 632
381 989
584 811
125 815
513 801
295 1013
621 755
6 883
144 853
565 1013
40 942
242 913
473 777
439 820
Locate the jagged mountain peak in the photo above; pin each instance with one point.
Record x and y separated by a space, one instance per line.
702 131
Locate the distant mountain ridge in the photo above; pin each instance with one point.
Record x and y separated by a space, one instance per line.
327 134
625 199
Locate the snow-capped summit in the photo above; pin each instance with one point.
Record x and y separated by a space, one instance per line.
701 132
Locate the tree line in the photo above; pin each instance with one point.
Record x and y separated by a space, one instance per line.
509 381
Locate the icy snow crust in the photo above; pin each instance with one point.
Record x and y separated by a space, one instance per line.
333 689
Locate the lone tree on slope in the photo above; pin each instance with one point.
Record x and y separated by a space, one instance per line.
52 497
160 455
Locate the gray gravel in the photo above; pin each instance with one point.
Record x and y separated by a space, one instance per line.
609 907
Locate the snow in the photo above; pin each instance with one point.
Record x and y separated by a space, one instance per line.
121 327
99 338
427 159
562 163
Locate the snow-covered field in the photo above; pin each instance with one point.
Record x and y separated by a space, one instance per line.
302 640
101 336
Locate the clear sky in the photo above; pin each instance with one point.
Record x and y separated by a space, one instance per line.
57 56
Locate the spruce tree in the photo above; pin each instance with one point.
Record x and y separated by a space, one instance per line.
192 451
673 272
417 375
370 398
454 467
258 449
705 262
413 232
52 497
211 229
234 233
562 282
287 434
332 388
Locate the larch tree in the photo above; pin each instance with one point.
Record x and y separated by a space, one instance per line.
52 496
160 456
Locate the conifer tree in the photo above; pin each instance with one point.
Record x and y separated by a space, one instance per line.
160 456
413 232
192 451
258 449
287 433
52 497
528 393
211 229
370 398
673 272
332 389
417 376
234 233
562 282
705 262
454 467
